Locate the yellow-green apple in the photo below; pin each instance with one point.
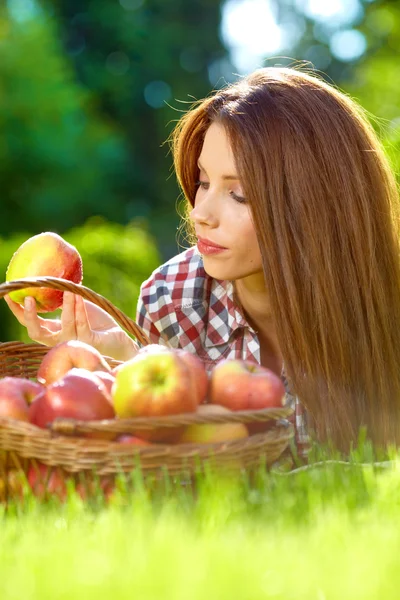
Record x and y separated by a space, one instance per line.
79 395
65 356
208 433
198 370
44 255
195 364
16 393
154 384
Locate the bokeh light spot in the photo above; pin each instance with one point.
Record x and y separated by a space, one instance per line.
348 45
156 93
118 63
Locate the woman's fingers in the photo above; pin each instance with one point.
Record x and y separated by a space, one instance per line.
68 327
16 309
34 325
47 326
83 329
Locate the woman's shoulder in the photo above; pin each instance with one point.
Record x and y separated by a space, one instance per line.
182 278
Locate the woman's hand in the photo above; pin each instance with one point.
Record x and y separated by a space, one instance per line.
80 320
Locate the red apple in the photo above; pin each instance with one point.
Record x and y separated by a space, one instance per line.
245 385
79 395
67 355
198 370
154 384
208 433
107 378
132 439
44 255
16 393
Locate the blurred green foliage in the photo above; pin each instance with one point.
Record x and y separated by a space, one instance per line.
59 160
116 260
89 92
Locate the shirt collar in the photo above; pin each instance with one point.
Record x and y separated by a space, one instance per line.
223 314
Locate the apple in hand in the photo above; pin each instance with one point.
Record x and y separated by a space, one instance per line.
16 393
245 385
154 384
44 255
208 433
65 356
79 395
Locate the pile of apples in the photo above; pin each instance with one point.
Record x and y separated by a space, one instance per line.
75 381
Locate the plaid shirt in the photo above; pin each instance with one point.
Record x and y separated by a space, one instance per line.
187 308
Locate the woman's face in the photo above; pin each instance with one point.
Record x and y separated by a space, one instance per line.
221 214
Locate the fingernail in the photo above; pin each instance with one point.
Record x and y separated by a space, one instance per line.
28 302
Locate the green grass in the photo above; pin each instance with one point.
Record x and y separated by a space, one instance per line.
327 532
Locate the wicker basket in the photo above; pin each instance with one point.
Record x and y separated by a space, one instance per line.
61 447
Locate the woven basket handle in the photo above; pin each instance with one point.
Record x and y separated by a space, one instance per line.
64 285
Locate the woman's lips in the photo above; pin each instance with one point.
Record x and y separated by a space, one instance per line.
207 247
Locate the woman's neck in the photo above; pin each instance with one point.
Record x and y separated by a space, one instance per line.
251 296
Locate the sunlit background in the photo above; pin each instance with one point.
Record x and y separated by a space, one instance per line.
90 91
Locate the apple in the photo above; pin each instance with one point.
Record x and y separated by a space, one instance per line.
16 393
79 395
44 255
154 384
245 385
107 378
65 356
208 433
132 439
198 370
195 364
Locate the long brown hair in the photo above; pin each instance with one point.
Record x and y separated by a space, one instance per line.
325 207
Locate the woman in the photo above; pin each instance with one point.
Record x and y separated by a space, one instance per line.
295 213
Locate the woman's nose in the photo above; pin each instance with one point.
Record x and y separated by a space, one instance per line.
203 212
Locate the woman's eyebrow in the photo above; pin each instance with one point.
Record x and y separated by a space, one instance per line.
224 177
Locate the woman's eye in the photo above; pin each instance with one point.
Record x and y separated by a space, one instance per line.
204 185
239 199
